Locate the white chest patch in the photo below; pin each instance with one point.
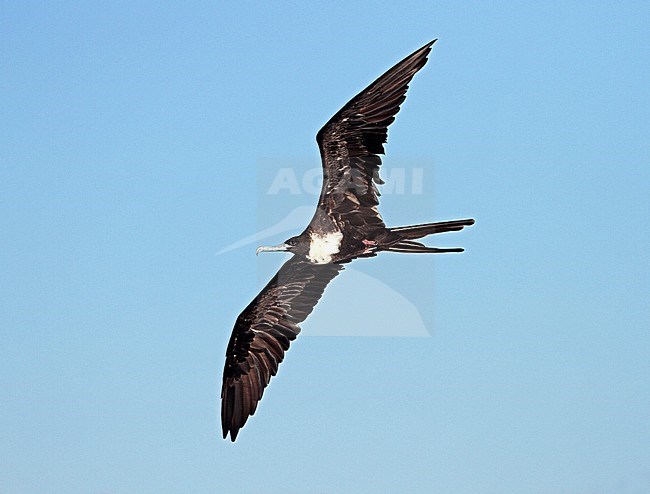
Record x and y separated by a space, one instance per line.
323 247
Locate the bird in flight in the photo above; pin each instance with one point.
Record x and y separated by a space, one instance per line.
345 226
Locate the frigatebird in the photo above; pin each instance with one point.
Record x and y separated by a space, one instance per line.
346 226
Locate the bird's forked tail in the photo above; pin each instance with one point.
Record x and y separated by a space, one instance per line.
409 233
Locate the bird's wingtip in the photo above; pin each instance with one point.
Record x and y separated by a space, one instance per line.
430 44
427 48
233 434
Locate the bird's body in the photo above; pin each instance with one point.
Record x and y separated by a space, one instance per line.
346 226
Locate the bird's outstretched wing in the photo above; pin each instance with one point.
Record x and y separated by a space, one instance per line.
351 142
262 334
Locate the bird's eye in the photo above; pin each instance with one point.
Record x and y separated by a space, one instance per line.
292 242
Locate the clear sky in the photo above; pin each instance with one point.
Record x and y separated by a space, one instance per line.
137 141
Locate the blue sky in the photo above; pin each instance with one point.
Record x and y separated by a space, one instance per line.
134 144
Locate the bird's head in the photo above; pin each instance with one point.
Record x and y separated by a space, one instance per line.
296 245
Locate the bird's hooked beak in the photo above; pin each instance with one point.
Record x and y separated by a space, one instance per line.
274 248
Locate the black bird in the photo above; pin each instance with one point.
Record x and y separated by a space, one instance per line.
346 225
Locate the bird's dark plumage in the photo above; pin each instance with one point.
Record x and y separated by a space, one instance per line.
351 142
346 225
263 332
